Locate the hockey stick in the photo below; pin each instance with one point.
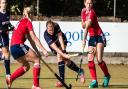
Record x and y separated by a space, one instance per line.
81 60
57 76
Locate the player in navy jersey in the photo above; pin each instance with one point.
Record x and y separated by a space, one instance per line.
57 42
5 26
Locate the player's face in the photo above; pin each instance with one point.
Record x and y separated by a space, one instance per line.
50 29
31 16
3 4
88 4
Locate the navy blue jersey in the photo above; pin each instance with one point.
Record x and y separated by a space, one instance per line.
4 21
54 38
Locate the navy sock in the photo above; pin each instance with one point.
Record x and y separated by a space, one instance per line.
7 66
61 66
73 66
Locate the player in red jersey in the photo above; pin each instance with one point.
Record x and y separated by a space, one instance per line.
97 41
22 53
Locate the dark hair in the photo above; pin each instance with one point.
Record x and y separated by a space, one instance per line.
50 22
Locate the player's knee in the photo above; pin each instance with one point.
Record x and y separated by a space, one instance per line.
90 57
68 62
99 61
36 65
6 55
26 66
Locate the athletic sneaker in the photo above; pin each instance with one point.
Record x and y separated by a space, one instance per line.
82 76
35 87
59 84
106 81
93 84
8 81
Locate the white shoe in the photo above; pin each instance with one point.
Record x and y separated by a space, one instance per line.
8 81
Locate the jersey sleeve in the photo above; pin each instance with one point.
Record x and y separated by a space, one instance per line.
29 26
48 39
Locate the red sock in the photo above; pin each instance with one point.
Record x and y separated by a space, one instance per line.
36 74
104 68
19 72
92 69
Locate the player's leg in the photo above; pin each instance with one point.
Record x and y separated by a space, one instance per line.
23 54
4 40
19 71
71 65
32 57
6 54
102 64
61 67
91 64
92 68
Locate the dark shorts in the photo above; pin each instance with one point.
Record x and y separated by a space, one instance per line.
4 39
19 50
97 39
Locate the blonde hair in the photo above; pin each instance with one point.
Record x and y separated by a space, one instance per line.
27 11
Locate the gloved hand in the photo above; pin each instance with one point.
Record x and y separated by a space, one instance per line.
10 27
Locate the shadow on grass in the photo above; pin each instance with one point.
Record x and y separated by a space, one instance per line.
118 86
110 86
16 88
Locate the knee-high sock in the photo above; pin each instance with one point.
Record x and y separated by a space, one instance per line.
92 70
7 66
19 72
104 68
61 66
73 66
36 74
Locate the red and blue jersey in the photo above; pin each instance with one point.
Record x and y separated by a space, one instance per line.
94 29
23 27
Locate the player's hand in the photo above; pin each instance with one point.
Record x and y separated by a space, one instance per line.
45 52
64 51
67 56
83 25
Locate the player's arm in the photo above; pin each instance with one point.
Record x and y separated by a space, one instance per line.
61 40
54 47
34 38
31 42
86 25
